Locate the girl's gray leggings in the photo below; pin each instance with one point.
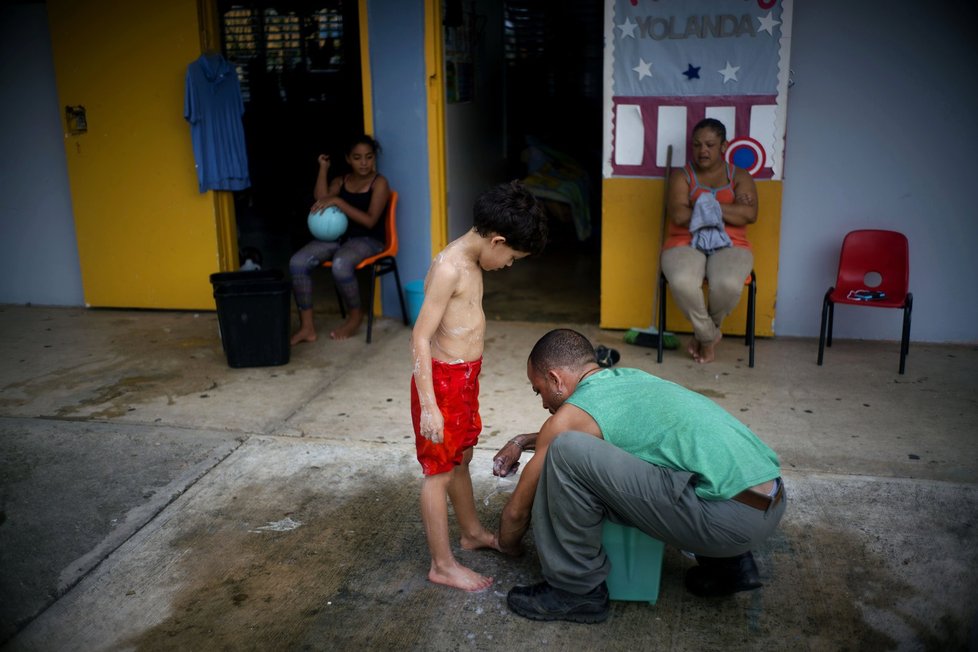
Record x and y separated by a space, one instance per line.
345 257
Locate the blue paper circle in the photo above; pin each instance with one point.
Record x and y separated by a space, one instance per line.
747 154
745 158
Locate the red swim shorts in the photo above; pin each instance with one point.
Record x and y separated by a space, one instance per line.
457 392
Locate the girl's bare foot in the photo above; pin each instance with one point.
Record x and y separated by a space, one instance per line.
349 327
304 335
693 348
484 539
459 577
708 352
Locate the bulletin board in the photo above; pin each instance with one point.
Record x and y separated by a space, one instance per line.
671 63
667 65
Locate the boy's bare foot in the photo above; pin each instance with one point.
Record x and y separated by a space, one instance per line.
693 348
349 327
708 350
459 577
484 539
304 335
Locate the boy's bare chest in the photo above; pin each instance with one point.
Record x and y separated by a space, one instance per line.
464 309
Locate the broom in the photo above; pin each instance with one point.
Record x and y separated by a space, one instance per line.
650 336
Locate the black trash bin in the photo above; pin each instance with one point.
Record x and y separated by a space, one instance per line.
253 276
253 312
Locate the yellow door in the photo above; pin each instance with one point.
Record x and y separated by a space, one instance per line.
434 67
146 237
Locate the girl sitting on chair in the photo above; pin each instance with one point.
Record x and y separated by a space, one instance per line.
362 195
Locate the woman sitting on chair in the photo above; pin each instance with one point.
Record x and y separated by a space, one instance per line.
710 204
362 196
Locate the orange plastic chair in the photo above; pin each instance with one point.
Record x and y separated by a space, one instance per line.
380 264
750 282
866 252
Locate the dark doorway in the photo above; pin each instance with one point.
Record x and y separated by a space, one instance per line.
299 66
553 103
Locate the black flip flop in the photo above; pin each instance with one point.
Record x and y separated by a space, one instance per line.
606 357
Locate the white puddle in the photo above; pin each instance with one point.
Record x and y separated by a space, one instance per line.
284 525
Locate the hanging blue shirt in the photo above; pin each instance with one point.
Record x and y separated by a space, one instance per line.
213 107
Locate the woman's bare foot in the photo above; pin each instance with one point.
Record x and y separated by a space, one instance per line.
693 348
459 577
484 539
349 327
708 350
304 335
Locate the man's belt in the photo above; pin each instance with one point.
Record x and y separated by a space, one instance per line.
759 501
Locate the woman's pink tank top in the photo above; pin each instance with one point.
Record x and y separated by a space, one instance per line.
679 236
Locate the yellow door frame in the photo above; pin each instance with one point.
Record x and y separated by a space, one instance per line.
434 65
366 80
224 216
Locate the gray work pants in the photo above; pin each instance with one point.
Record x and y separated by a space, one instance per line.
586 480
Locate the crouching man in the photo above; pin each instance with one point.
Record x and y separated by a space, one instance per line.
625 445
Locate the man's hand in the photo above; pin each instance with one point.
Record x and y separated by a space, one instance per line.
506 461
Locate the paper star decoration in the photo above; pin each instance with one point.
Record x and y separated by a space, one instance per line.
729 73
768 23
692 72
628 28
643 69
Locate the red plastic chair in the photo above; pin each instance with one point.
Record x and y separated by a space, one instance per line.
380 264
864 252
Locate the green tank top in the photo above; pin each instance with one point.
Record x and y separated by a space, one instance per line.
670 426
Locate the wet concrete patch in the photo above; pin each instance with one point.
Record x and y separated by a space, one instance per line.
353 574
155 368
877 559
258 589
172 355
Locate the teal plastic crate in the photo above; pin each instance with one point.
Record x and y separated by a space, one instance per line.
636 563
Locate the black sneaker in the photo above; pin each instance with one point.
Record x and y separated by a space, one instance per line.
544 602
716 576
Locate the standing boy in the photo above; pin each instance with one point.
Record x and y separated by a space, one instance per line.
447 348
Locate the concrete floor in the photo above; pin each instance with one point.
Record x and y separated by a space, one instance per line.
154 498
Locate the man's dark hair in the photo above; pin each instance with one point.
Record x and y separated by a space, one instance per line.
510 210
561 347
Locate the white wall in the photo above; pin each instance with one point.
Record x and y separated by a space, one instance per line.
882 133
474 130
38 251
